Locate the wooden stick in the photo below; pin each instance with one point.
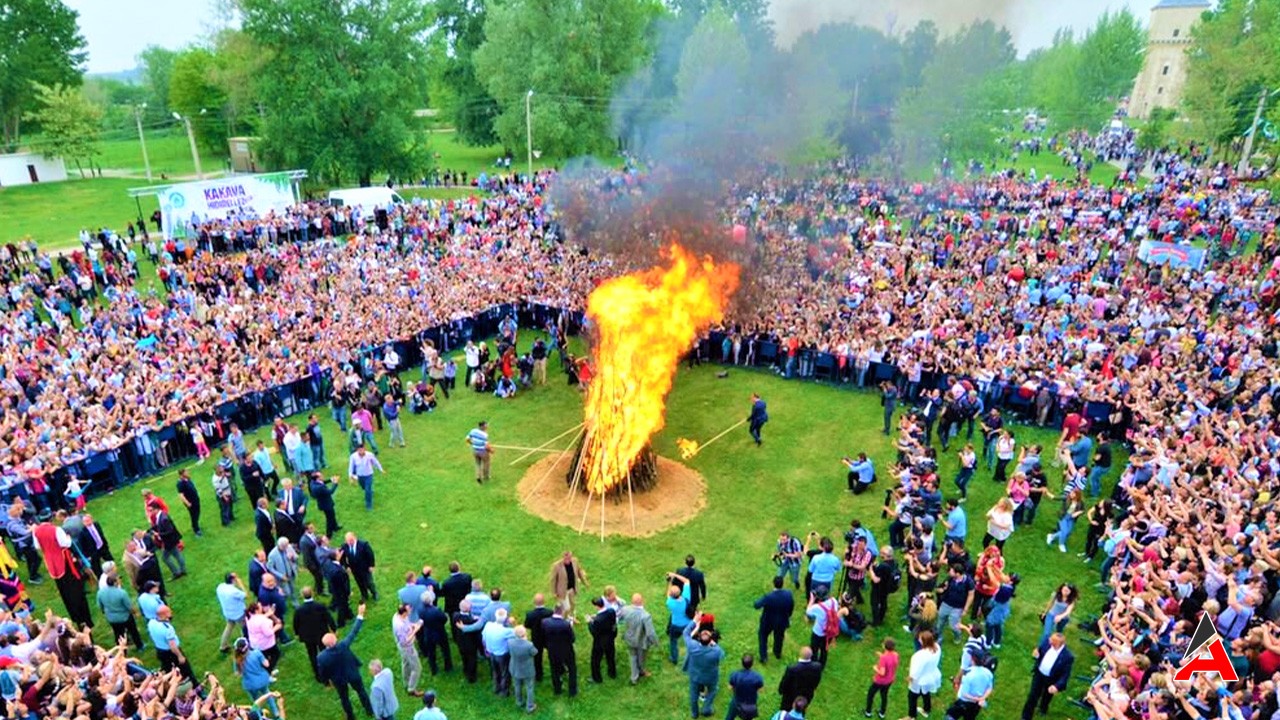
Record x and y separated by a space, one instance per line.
582 525
731 428
531 450
533 490
577 473
545 444
631 497
602 504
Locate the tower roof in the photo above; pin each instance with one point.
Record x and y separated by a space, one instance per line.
1164 4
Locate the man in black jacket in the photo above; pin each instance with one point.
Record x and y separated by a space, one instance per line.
800 680
322 492
307 546
93 544
358 556
433 635
310 623
467 627
455 587
558 635
775 609
170 543
339 666
264 526
604 636
697 583
335 576
533 621
251 479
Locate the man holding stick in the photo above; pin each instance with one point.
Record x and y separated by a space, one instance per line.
758 417
478 439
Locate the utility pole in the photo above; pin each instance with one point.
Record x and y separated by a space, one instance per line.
857 89
191 138
142 140
528 131
1253 132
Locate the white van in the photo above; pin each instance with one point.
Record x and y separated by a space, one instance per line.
368 197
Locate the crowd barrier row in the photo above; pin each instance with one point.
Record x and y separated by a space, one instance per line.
153 452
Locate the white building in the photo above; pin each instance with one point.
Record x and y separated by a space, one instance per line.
29 168
1164 68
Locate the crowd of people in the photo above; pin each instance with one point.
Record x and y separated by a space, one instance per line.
992 299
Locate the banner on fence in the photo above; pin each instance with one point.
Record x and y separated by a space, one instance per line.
1155 252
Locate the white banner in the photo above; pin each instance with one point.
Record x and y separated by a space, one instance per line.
185 207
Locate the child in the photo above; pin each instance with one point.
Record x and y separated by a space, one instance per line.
75 492
886 672
197 437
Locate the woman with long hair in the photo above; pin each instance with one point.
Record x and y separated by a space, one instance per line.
1067 523
924 676
1098 516
999 607
1057 613
987 574
999 523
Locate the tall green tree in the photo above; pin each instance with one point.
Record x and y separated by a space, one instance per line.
573 55
40 42
194 94
458 33
1234 56
1078 83
157 68
69 124
237 64
952 113
344 82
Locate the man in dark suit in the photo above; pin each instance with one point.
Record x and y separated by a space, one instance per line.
697 582
286 526
533 621
310 623
251 479
340 667
322 492
358 556
1049 674
257 569
775 617
758 417
603 626
455 587
467 627
335 576
433 635
264 526
800 680
294 502
307 545
558 635
93 544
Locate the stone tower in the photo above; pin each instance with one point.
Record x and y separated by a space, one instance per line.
1164 69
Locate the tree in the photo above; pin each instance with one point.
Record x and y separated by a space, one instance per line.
194 95
1234 55
954 111
344 82
41 44
69 124
237 63
1154 133
573 55
157 68
1078 83
459 32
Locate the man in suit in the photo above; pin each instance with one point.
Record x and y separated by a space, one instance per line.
533 622
307 546
800 680
338 666
323 492
603 626
282 561
93 544
190 498
1049 674
257 569
567 578
335 576
697 582
758 417
557 633
639 635
311 621
358 556
433 634
775 617
454 588
264 527
294 501
252 480
170 543
467 626
521 652
702 662
286 526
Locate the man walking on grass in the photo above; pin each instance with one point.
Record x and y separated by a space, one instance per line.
478 439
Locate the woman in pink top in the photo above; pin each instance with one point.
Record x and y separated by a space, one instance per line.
886 673
1019 490
261 625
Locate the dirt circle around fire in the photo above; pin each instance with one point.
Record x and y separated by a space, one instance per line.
680 494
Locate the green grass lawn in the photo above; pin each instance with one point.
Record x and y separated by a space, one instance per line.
167 149
54 213
1047 163
429 510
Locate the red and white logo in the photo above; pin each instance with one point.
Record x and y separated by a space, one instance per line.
1207 653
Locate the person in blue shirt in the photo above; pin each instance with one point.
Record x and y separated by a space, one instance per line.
975 687
255 677
678 605
758 417
746 684
862 473
956 522
824 566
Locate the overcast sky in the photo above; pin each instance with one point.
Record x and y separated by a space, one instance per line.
117 30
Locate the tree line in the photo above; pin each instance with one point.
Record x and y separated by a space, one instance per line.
338 86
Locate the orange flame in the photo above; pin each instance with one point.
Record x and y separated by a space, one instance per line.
688 448
643 323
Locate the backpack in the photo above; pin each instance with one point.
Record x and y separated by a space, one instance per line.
831 628
856 620
895 579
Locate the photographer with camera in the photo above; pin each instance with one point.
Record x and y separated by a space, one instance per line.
862 473
787 556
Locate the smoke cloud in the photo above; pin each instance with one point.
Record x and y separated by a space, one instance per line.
792 18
